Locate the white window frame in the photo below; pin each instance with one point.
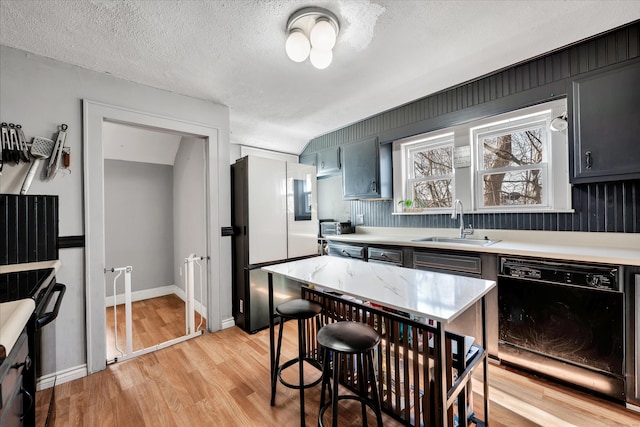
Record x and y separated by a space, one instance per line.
408 148
467 182
554 164
540 120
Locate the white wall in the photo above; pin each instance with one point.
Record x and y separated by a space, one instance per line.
40 94
138 200
189 209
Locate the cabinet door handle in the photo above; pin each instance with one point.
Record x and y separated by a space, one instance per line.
322 165
30 403
588 160
345 253
26 364
373 186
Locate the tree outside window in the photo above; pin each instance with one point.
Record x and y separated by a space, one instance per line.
512 170
430 182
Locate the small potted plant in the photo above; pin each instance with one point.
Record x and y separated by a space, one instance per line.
405 205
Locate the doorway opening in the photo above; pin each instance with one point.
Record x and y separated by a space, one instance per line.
95 116
155 219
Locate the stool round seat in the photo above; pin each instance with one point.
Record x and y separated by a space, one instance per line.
298 309
348 337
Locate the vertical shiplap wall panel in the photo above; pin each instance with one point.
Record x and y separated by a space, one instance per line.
611 207
29 228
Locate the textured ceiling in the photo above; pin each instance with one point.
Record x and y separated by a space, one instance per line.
389 52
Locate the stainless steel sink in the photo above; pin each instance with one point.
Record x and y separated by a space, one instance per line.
458 240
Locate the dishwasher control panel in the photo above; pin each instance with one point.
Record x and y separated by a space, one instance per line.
586 275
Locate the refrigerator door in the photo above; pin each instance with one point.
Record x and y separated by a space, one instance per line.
267 227
302 212
258 310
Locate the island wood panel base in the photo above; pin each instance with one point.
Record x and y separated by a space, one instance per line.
407 368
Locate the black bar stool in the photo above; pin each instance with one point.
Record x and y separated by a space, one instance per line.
351 338
301 310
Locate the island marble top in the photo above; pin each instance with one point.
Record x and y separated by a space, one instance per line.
437 296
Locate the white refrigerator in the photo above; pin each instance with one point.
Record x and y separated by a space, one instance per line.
274 216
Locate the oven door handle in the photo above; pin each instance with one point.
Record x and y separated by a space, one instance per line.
50 316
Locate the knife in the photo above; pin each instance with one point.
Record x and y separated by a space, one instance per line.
56 155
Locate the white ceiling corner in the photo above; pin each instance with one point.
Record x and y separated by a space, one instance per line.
136 144
388 53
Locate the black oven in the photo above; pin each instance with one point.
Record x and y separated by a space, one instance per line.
563 320
41 286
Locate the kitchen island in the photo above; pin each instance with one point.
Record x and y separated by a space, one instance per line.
421 373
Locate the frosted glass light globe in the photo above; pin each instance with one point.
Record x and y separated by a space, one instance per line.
320 59
323 35
297 46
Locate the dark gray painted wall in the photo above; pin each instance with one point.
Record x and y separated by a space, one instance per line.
611 207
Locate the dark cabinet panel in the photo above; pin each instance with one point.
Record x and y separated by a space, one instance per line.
366 170
346 250
604 108
328 162
29 226
308 159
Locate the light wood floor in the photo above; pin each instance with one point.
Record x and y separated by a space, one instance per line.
222 379
154 321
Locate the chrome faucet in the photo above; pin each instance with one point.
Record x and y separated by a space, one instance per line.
463 231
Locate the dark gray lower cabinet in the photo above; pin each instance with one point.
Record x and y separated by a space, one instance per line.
11 391
346 250
604 114
385 256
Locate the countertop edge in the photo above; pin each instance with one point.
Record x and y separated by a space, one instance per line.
12 268
14 315
599 250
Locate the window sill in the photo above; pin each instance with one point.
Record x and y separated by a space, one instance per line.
501 211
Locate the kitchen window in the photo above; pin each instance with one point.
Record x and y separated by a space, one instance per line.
511 162
511 169
429 182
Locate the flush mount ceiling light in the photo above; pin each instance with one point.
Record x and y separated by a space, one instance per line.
560 123
312 33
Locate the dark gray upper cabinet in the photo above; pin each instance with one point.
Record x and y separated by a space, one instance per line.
308 159
366 170
604 112
328 162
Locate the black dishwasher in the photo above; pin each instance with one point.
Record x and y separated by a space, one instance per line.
564 320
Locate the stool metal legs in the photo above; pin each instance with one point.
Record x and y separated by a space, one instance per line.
373 403
277 373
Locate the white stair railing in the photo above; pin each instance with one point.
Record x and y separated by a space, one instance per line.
127 308
189 287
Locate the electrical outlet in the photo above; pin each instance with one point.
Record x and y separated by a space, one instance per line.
359 219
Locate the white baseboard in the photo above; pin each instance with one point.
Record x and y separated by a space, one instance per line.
142 295
154 293
61 377
201 309
228 323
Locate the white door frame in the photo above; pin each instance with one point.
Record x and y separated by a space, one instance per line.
94 114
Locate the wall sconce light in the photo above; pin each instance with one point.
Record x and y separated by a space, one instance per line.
312 33
560 123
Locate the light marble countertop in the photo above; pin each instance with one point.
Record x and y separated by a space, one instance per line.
12 268
14 315
437 296
608 248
